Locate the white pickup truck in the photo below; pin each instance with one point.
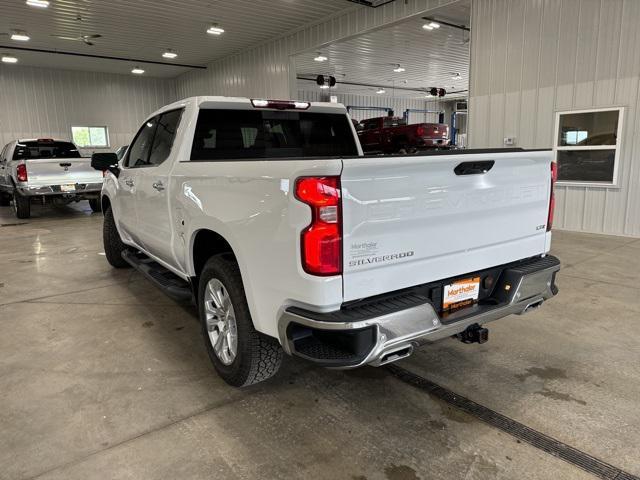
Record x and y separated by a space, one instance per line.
267 214
48 171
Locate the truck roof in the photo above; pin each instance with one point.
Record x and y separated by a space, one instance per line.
217 101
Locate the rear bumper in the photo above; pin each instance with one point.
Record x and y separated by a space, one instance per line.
80 189
433 142
344 340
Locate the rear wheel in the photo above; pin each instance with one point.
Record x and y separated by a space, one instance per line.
94 203
241 355
21 205
113 245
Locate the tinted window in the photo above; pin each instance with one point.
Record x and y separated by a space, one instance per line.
394 122
45 149
228 134
165 133
590 128
121 151
586 165
369 124
139 152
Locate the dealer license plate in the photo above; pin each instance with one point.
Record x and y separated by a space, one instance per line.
69 187
461 293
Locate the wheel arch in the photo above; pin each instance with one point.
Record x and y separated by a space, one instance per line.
206 243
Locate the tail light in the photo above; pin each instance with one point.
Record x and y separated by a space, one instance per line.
321 241
21 172
552 200
420 131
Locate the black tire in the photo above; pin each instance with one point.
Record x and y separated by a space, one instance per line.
21 205
258 356
95 205
5 199
113 246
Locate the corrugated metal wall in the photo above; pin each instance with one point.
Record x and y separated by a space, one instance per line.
264 70
399 105
531 58
36 102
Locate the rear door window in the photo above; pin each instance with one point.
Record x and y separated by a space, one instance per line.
254 134
42 149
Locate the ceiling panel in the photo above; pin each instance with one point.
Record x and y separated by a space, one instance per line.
430 58
143 29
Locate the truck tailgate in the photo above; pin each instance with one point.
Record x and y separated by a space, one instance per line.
60 171
409 220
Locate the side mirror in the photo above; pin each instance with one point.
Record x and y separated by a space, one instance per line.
105 161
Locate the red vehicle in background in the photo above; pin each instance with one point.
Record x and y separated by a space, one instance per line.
393 135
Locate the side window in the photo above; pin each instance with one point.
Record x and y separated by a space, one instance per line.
165 134
138 155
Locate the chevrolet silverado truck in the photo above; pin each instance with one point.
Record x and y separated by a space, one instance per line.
393 135
289 240
46 171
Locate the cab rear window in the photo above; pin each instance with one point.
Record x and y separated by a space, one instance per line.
42 150
252 134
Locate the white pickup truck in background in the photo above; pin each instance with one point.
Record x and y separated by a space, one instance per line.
47 171
267 214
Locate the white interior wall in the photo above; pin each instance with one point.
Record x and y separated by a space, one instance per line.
399 105
264 71
530 59
37 102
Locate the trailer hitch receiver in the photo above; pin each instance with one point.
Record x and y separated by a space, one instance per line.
474 334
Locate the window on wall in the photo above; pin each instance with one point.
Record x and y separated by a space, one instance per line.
587 146
90 137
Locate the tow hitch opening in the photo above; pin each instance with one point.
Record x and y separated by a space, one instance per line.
474 334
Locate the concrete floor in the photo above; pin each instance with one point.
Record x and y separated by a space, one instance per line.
101 376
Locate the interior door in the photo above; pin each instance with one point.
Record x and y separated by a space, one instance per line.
133 165
152 199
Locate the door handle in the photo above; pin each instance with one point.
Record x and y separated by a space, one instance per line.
158 186
474 168
129 182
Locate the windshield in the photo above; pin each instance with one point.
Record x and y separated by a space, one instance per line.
45 149
229 134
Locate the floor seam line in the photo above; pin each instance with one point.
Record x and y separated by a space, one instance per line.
27 300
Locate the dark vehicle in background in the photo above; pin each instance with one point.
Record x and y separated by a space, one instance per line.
393 135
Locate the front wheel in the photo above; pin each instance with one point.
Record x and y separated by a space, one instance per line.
241 355
113 245
21 205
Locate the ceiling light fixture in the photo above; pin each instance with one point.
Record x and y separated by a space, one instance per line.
456 76
38 3
399 69
169 54
215 29
9 59
382 90
137 71
324 86
20 36
431 25
320 58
